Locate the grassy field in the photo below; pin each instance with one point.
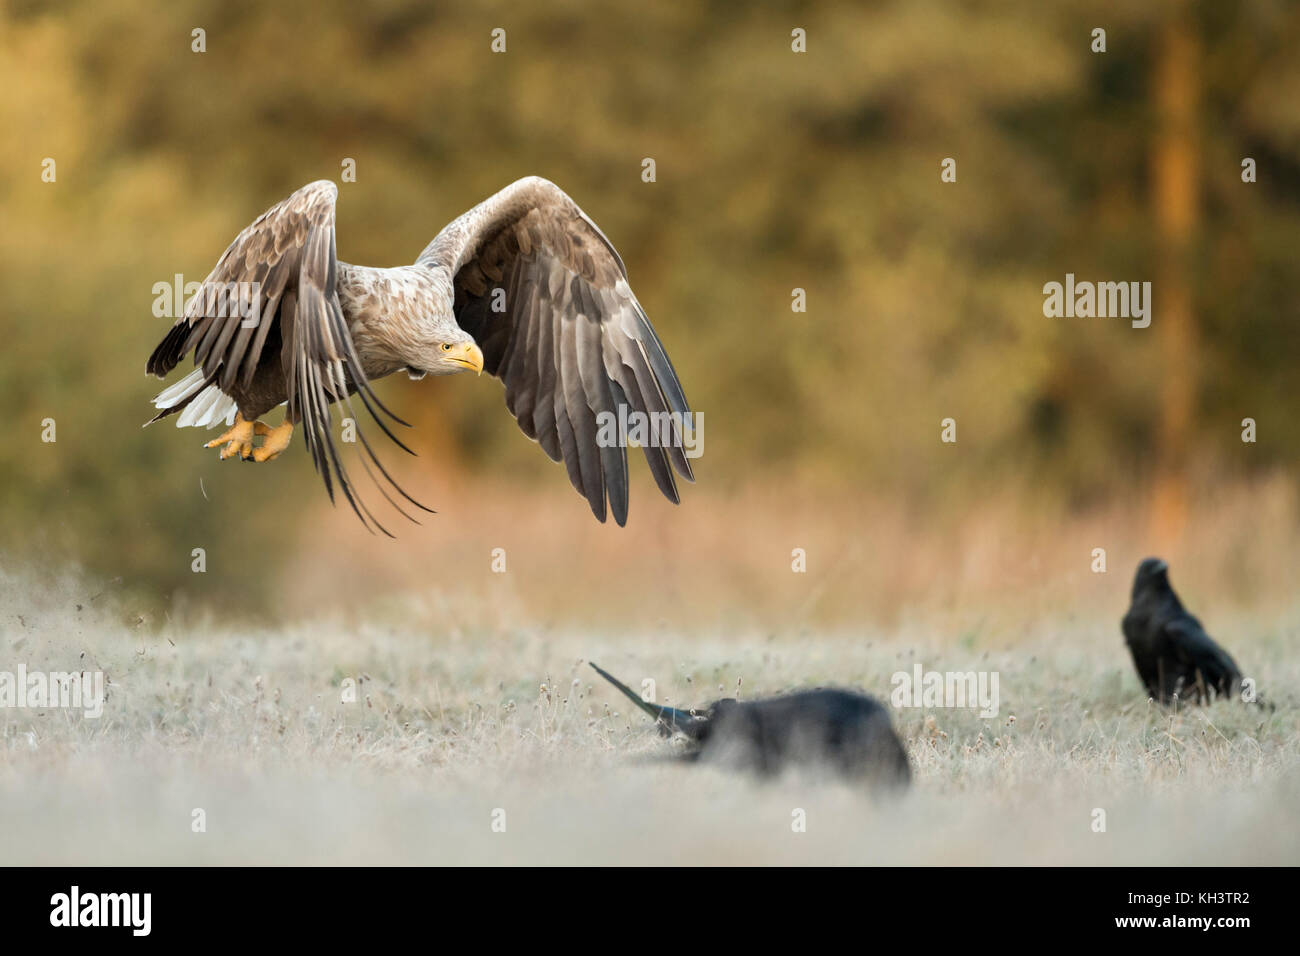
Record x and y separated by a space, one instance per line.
453 724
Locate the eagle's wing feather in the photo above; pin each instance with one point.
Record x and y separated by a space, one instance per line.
572 341
289 252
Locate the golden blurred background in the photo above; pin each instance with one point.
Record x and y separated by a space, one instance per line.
775 171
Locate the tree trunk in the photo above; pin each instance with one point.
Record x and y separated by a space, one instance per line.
1174 168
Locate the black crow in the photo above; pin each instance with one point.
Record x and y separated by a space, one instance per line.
845 731
1173 654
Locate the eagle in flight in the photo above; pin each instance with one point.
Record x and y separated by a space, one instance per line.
523 286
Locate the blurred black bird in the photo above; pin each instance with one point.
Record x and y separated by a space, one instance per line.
844 731
1173 654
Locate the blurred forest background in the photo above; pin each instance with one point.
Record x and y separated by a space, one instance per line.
775 170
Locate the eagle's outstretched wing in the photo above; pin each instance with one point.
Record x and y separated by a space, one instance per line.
569 340
289 253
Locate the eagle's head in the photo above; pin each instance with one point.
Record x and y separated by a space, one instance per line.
454 352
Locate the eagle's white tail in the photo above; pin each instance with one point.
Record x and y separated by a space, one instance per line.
205 405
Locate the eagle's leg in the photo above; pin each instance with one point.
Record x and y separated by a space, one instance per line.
238 440
276 440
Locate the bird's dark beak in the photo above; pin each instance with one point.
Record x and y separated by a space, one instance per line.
669 718
466 354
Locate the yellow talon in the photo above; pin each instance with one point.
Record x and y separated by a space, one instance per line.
276 441
239 440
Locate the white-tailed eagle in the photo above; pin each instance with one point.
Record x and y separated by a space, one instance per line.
524 286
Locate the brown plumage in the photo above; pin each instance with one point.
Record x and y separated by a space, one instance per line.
524 286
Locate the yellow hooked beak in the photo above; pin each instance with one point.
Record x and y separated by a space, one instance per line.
464 353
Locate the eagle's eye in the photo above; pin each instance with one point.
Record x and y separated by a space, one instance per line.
446 346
